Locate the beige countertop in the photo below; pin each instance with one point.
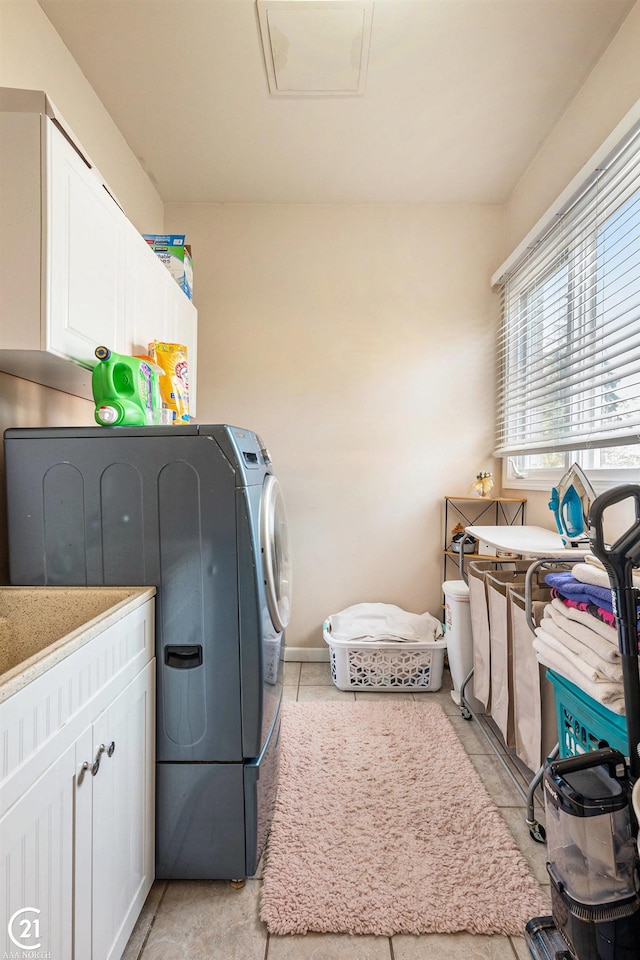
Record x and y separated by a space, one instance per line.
39 626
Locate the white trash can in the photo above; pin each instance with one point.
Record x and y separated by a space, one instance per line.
459 640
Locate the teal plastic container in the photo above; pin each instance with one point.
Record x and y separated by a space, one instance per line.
583 723
125 390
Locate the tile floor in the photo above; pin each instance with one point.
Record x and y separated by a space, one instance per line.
208 920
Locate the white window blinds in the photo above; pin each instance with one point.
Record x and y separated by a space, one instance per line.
569 345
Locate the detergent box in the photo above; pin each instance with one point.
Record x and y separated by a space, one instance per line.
176 256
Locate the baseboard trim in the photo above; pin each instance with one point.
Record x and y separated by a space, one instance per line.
307 654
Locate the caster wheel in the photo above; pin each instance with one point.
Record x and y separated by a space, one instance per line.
465 713
237 884
538 833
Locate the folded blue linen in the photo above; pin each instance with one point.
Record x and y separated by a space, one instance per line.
568 586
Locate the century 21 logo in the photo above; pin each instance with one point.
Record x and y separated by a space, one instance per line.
23 930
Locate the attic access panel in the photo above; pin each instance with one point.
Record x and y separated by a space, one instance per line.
315 48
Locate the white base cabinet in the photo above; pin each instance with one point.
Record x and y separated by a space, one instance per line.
115 858
36 865
77 814
79 274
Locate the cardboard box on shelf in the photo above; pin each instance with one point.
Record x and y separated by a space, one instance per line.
486 549
176 256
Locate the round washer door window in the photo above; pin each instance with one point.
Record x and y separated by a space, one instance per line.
275 551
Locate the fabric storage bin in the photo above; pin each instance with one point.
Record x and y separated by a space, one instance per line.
476 571
478 602
498 583
583 723
534 713
385 665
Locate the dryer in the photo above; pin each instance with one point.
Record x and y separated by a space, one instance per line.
197 512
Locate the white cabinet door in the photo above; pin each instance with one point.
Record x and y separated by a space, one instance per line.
184 329
123 815
85 256
148 296
36 866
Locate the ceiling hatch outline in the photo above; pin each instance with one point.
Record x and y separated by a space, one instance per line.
315 48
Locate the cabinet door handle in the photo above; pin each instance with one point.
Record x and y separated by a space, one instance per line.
96 763
111 749
83 770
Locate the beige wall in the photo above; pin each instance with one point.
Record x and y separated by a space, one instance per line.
610 91
358 340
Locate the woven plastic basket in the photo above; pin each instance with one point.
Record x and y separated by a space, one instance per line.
385 665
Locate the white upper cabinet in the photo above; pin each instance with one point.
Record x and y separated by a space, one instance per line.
156 308
79 274
148 305
184 329
85 256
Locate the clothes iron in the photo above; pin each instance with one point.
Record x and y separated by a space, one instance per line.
570 503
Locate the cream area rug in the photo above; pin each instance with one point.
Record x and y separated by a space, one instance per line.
383 826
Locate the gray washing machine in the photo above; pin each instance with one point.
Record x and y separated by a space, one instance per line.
196 512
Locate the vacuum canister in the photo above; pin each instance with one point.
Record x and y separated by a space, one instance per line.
593 858
125 390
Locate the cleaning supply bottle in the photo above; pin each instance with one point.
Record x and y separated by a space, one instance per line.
125 390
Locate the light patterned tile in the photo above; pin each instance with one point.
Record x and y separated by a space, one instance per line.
323 693
291 673
315 674
534 853
443 697
290 692
470 736
207 920
452 946
497 781
143 925
329 946
520 947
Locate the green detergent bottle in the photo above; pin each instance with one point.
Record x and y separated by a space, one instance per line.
125 390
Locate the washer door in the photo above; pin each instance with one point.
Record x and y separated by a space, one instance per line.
275 552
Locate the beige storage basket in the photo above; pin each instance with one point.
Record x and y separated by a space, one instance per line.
478 570
501 706
533 695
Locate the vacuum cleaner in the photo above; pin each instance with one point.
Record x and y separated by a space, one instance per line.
592 830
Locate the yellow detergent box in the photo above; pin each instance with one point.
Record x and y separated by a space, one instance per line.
176 256
172 359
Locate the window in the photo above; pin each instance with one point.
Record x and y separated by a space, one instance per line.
569 347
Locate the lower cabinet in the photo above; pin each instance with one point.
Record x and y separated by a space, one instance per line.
114 821
36 866
77 842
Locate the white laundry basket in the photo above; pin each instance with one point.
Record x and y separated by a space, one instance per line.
385 665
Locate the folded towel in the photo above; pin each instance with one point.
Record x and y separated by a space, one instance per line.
383 621
586 645
598 565
577 661
598 613
580 613
568 586
609 694
590 573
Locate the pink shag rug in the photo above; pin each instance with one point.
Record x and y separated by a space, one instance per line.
383 826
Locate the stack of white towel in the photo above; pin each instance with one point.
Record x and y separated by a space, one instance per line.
383 621
582 644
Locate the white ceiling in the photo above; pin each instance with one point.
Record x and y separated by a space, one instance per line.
459 96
